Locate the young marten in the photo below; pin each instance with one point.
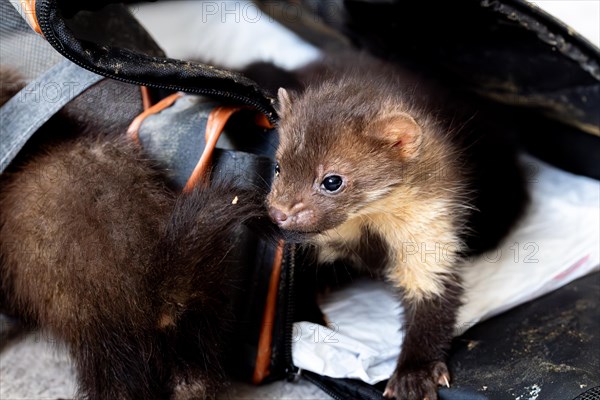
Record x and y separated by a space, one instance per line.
376 168
132 277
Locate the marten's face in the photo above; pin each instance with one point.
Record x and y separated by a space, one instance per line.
329 166
315 191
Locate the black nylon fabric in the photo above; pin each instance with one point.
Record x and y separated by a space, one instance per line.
343 389
506 50
543 76
141 69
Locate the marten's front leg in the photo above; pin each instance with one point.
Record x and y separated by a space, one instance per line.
429 327
424 270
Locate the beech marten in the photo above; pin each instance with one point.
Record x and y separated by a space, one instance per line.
381 169
133 277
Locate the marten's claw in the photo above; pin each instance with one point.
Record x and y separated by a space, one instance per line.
444 380
417 383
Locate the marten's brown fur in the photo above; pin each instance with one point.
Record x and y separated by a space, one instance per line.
418 182
132 277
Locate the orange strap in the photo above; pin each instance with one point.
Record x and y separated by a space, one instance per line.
146 99
134 128
217 119
263 355
28 7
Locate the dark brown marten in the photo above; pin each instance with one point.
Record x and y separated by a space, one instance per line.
379 169
132 277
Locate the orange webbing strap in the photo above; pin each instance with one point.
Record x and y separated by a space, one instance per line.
265 341
134 128
28 10
262 121
217 119
146 99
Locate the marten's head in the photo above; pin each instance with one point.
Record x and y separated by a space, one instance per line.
343 145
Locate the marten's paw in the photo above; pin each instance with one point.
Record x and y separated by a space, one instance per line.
418 383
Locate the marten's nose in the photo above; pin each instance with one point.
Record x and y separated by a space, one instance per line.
277 215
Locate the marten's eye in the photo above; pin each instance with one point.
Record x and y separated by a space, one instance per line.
277 169
332 183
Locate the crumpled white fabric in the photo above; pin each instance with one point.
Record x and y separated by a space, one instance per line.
556 242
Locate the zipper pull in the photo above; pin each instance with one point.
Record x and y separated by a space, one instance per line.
293 374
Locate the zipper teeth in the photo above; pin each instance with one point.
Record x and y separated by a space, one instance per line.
313 378
323 387
58 46
290 308
291 370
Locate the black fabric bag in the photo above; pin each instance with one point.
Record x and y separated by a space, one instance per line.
517 56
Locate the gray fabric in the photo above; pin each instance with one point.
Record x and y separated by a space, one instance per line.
26 112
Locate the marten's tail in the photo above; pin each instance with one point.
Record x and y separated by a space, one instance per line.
11 83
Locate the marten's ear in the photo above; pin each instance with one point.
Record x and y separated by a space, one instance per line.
401 131
285 102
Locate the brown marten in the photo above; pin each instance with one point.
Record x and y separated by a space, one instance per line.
134 278
381 169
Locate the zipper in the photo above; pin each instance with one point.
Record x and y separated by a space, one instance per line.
314 379
323 387
56 44
291 371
